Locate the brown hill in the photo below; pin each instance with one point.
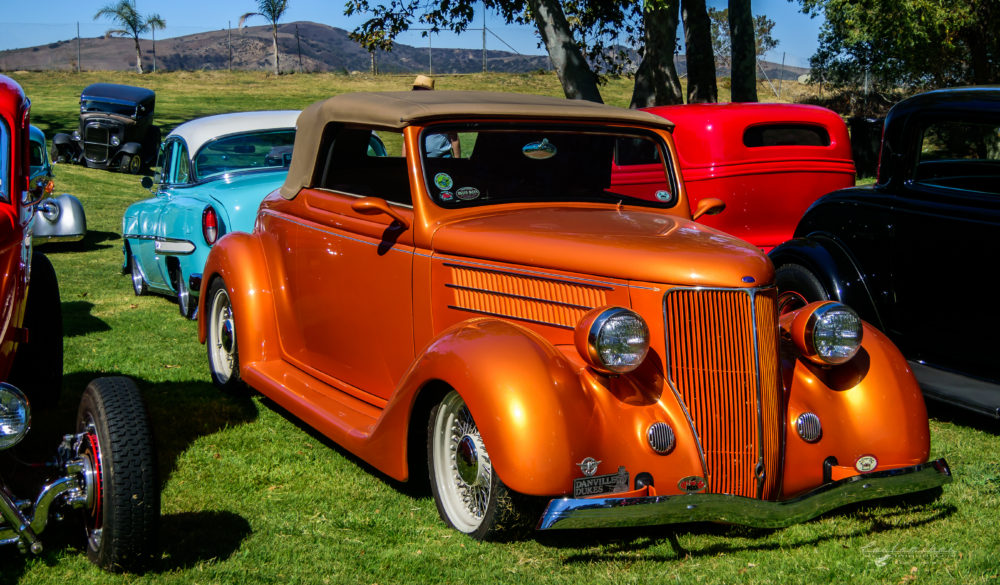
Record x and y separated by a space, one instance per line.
318 47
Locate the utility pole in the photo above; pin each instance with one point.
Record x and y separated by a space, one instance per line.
430 59
484 37
298 44
78 46
229 41
780 79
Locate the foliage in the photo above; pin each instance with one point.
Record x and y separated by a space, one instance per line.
884 44
272 10
722 45
132 24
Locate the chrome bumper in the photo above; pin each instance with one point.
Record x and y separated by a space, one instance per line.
568 513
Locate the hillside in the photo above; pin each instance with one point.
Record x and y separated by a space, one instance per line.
318 48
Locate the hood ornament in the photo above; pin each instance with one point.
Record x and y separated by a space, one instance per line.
589 466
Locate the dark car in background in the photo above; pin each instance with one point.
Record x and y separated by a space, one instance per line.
116 129
915 254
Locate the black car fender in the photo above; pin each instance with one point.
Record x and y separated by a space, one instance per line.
131 148
829 261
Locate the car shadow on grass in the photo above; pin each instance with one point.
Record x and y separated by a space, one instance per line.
78 320
92 240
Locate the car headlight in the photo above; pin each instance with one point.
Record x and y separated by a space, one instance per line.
50 210
15 416
827 332
612 340
115 141
76 135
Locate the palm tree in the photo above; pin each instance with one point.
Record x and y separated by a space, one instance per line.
272 10
155 23
132 24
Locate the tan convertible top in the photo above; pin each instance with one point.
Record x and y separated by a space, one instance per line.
396 110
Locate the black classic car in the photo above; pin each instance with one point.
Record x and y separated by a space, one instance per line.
116 129
916 252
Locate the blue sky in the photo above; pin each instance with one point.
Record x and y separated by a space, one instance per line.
25 24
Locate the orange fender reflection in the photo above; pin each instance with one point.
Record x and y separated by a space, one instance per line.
870 406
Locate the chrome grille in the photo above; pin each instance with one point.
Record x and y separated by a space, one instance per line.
722 362
96 140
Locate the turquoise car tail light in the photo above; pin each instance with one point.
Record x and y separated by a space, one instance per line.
210 225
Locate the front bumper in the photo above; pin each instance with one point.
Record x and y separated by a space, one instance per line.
570 513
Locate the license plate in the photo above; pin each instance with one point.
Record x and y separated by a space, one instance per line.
601 484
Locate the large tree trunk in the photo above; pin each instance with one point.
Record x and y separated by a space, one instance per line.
138 55
744 66
274 45
577 78
656 81
700 58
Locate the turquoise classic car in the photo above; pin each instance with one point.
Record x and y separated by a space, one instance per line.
212 174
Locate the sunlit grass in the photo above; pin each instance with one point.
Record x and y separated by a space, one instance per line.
250 495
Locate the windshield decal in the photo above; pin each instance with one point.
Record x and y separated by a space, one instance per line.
467 193
539 150
443 181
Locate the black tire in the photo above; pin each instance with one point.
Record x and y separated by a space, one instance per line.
220 341
122 517
797 286
38 365
187 304
131 164
470 497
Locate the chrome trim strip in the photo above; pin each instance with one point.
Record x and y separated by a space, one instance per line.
519 297
172 246
570 513
530 274
762 477
511 317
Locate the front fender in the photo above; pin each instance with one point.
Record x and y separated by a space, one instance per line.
524 395
69 222
830 262
870 405
131 148
238 259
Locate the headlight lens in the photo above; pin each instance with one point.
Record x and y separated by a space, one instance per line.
15 416
115 141
827 332
613 340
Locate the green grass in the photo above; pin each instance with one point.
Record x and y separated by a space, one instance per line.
252 496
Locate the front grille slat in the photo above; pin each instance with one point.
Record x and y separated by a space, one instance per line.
722 363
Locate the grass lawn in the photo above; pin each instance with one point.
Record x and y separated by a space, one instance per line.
250 495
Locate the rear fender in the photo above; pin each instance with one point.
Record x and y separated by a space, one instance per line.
525 396
822 255
238 259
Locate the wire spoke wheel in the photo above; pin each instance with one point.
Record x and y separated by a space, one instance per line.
470 496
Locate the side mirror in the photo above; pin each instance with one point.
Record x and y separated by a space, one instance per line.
708 206
376 205
37 189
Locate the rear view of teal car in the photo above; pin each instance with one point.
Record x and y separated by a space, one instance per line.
212 174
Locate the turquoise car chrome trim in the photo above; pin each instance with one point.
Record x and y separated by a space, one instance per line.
567 513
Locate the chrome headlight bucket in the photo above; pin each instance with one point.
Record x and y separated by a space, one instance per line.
115 141
828 332
613 340
15 416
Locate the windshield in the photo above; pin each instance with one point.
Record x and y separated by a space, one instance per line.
268 149
4 161
467 165
107 107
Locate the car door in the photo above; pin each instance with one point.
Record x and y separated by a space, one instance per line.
345 313
174 173
944 256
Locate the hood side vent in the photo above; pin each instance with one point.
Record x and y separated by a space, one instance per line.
534 299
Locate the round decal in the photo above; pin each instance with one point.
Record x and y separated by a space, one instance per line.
691 484
446 195
467 193
443 181
866 463
539 150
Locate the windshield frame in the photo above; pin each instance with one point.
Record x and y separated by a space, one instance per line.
665 161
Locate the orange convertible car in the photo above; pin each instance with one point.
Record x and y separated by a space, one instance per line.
551 347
